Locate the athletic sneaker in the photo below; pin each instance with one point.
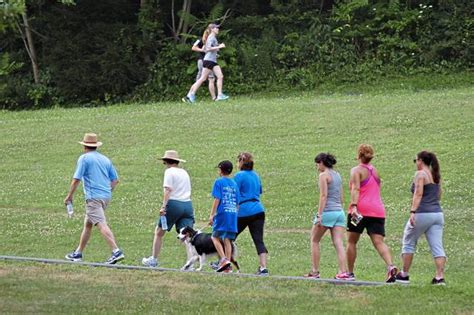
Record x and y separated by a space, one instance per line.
74 256
401 279
350 276
223 265
391 274
116 257
150 262
227 270
262 272
189 98
214 265
312 275
438 281
342 276
222 97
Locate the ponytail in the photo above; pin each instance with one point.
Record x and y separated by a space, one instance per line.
205 35
431 160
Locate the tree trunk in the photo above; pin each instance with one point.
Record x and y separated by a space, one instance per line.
30 48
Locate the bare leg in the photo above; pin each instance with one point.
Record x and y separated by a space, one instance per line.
440 263
219 248
220 79
337 234
107 235
382 248
263 260
228 248
85 236
407 259
157 242
317 233
351 250
212 88
198 83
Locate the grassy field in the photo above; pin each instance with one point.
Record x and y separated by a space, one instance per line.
39 151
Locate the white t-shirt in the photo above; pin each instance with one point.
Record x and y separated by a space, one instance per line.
178 180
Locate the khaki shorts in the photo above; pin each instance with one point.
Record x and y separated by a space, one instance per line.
95 211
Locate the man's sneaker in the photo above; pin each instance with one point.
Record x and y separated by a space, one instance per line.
222 97
262 272
391 274
214 265
342 276
223 265
438 281
117 256
401 279
150 262
312 275
350 276
189 98
74 256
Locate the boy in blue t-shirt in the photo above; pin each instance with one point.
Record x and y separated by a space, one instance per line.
223 216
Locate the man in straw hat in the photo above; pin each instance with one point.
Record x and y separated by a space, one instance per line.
99 179
176 207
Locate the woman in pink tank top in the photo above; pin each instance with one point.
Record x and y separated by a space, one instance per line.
366 202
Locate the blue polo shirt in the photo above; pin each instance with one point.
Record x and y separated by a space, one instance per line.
250 188
226 190
96 173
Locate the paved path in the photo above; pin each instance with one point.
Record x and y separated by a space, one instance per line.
130 267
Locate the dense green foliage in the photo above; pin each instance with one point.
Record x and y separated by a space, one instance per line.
114 50
285 134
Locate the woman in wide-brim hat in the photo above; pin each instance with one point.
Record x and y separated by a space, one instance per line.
177 207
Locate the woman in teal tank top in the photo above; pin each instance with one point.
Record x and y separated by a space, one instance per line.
330 216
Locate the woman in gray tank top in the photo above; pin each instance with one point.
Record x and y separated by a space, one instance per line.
426 217
330 216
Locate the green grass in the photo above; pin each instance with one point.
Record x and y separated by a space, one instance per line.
39 151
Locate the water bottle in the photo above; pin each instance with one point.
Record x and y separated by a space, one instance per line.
356 218
69 209
164 223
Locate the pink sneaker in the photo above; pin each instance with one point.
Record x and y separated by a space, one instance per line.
312 275
343 276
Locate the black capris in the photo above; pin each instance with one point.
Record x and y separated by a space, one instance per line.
255 223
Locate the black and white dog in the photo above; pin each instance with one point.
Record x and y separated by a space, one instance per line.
198 246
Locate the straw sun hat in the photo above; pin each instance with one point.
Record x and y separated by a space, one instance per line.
90 140
172 155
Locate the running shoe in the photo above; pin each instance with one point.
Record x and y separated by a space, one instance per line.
391 274
350 276
402 279
116 257
222 97
438 281
262 272
150 262
214 265
342 276
313 275
74 256
223 265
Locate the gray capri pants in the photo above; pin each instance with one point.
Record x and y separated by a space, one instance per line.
199 65
429 223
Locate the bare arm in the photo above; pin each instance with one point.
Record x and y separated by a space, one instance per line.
113 184
197 49
419 182
72 190
323 193
166 197
215 203
355 186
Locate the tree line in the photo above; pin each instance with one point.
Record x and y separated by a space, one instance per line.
86 52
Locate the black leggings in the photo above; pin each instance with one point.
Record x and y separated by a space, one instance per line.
255 223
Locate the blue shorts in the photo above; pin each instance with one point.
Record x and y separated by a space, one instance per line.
224 234
179 213
331 219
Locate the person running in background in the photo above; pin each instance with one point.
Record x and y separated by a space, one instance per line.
330 215
99 178
426 217
251 211
223 217
198 47
176 207
367 202
210 65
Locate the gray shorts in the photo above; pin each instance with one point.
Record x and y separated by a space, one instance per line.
199 65
431 224
95 211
